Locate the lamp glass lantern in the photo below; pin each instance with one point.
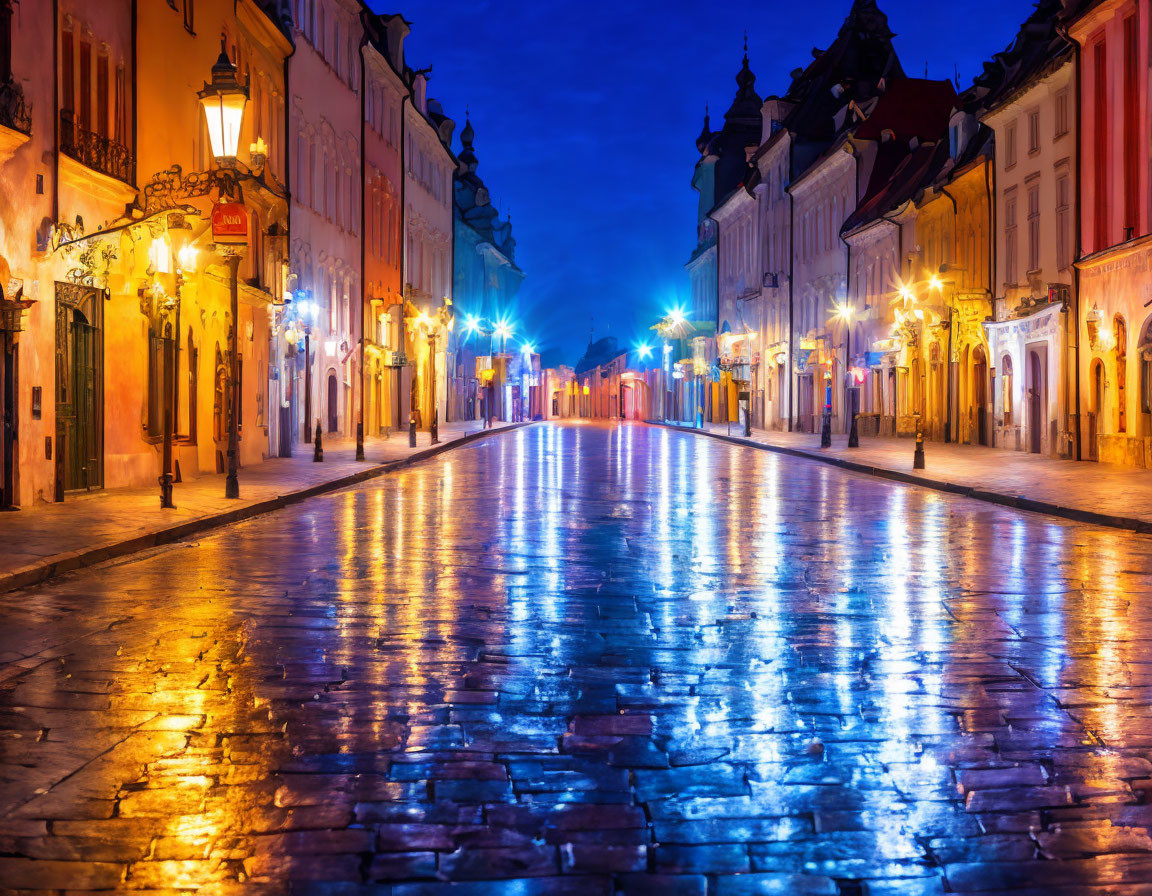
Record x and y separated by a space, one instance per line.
223 102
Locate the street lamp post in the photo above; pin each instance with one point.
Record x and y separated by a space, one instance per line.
845 313
232 483
223 101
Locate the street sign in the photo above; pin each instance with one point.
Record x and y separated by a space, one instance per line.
229 222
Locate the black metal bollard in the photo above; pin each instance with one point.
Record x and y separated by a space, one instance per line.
436 426
854 434
826 431
918 457
412 430
318 450
360 440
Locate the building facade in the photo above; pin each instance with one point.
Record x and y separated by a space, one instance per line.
324 112
485 279
384 95
1030 106
1115 327
428 312
118 316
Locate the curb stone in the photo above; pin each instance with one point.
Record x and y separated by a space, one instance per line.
70 561
1016 502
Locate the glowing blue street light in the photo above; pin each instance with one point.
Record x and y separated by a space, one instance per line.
644 351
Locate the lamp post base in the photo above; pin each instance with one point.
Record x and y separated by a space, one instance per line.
360 441
232 482
826 431
854 434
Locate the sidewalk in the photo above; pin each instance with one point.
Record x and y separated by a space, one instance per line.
1101 494
45 540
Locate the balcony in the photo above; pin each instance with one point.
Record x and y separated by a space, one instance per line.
98 153
14 111
15 119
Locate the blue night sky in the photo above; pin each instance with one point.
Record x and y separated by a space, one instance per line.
586 117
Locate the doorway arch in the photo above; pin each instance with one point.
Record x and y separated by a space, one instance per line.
980 395
1097 387
333 402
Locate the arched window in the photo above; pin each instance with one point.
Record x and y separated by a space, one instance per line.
1145 359
1006 388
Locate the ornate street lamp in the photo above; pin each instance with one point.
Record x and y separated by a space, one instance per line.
223 102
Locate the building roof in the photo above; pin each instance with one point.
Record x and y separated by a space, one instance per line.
1037 49
856 67
737 138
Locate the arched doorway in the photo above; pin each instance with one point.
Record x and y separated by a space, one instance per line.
980 395
1037 391
1095 408
333 402
1121 335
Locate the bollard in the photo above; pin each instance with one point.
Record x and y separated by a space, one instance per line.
826 431
412 430
318 451
436 426
918 457
854 434
360 440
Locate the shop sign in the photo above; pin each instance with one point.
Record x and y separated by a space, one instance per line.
229 222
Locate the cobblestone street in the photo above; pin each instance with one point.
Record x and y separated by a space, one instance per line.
591 659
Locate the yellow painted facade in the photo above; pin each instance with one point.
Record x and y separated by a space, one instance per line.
132 313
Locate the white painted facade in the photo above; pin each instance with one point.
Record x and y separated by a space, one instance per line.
1032 338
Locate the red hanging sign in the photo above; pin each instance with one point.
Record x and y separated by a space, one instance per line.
229 222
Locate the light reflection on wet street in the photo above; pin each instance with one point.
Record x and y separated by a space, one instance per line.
595 659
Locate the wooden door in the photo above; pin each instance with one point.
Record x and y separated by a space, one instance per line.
77 401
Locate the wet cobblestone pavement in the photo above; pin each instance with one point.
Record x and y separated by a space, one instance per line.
591 659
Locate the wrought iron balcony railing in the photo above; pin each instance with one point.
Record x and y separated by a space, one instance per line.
15 112
97 152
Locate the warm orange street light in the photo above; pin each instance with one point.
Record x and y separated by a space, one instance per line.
223 102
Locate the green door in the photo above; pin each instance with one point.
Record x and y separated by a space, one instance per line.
77 401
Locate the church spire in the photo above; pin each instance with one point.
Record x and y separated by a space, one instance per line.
747 103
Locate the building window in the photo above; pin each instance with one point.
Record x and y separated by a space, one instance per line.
1062 123
85 110
1006 388
5 40
1010 241
1063 222
1034 131
1131 144
1034 227
1010 145
1100 125
102 119
67 72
